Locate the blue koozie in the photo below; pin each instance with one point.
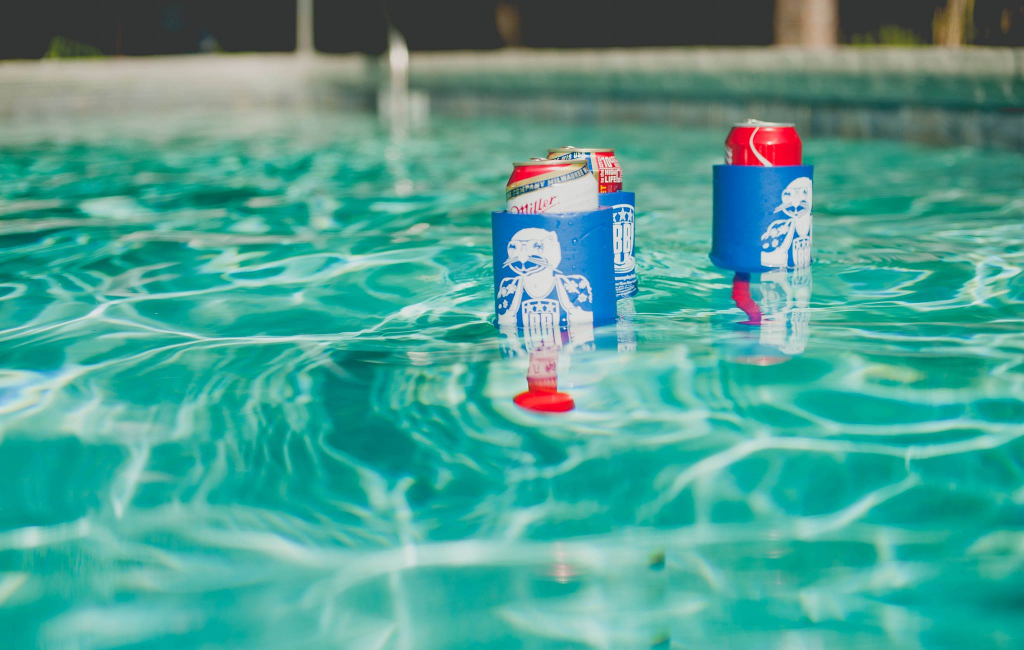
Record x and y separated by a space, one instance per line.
623 205
762 217
553 271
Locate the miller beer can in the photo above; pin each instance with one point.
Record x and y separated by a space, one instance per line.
551 186
602 162
763 144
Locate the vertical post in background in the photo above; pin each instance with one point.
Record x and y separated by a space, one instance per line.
399 106
509 22
398 60
304 27
807 23
953 23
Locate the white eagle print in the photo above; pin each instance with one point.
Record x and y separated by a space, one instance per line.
547 299
787 241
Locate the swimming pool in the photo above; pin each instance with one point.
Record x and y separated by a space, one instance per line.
251 396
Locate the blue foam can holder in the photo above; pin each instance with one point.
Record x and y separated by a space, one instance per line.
762 217
623 205
553 271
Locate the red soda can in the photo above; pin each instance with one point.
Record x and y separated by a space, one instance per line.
603 163
539 186
763 144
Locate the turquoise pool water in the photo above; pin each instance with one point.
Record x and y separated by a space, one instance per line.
250 397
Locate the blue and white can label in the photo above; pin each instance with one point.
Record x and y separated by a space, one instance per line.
623 205
553 272
762 217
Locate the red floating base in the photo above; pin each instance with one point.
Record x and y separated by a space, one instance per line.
545 401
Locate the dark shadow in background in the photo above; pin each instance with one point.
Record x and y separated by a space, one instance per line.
341 27
619 23
141 27
147 26
472 24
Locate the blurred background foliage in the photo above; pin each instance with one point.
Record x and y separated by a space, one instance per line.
66 48
70 28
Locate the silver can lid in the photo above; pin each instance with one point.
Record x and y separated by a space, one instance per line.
760 124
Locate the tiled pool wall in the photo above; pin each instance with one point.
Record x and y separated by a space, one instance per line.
972 96
934 125
38 90
941 96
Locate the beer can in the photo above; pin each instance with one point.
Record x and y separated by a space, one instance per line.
602 162
555 186
763 144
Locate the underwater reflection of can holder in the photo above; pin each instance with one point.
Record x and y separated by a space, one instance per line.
553 271
761 217
623 205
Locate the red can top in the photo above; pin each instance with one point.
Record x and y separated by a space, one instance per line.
763 144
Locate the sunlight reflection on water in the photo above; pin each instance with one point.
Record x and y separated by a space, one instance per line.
251 396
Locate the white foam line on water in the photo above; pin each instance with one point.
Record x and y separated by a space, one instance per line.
120 624
350 264
346 568
813 527
215 238
33 224
717 462
31 537
980 288
10 583
125 484
8 206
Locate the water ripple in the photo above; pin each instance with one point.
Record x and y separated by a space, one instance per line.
251 396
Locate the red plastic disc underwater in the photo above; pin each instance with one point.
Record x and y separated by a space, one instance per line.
761 360
545 401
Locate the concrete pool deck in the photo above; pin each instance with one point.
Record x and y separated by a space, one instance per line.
972 96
